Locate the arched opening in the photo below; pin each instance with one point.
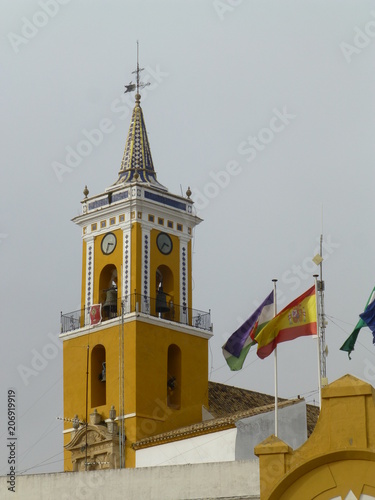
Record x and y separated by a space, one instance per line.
174 377
108 291
164 306
98 376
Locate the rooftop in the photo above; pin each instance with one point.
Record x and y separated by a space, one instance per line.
228 404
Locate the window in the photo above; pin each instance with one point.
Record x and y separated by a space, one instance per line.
160 221
94 227
98 376
121 218
174 377
179 227
108 291
151 218
170 224
112 221
103 223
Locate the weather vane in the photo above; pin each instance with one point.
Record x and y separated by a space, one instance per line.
139 85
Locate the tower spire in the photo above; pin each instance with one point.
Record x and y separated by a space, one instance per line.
137 164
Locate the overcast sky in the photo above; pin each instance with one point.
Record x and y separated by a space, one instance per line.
265 108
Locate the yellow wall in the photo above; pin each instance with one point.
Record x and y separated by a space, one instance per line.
101 260
339 456
172 261
75 367
145 378
145 351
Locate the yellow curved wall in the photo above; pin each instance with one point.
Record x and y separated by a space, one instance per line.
339 456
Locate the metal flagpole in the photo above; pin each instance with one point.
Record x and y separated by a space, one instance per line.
275 360
322 323
87 402
318 340
121 387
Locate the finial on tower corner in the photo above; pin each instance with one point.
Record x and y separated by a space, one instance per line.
86 192
188 193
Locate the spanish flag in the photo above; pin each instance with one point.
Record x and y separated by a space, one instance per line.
297 319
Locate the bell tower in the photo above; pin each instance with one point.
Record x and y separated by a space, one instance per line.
136 353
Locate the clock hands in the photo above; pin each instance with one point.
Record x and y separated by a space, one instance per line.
164 243
108 243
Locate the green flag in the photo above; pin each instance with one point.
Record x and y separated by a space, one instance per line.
349 343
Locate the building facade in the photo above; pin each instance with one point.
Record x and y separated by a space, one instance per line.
136 354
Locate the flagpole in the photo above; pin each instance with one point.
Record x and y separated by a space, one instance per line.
275 360
318 340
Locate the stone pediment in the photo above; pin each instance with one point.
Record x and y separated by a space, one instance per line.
95 434
94 447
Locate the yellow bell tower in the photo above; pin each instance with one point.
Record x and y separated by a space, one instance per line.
136 354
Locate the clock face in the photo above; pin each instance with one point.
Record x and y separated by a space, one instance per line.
108 243
164 243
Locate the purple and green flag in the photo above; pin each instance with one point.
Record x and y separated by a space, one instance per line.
367 318
238 345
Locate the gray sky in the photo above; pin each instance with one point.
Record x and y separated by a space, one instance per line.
293 77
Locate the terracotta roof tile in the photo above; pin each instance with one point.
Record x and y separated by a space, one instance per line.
228 404
208 426
225 399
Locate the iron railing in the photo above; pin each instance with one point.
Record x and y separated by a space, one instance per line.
136 303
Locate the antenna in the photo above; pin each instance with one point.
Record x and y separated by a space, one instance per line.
322 321
318 260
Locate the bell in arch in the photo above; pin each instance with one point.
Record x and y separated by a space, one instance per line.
110 304
161 301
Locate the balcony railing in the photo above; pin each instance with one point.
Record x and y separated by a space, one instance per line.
136 303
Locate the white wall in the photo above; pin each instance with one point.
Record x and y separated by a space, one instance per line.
231 444
234 480
214 447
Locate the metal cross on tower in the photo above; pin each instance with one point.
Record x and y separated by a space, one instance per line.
139 85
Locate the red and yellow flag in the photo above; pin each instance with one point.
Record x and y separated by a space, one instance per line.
296 320
95 314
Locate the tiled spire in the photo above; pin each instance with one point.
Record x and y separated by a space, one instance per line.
137 162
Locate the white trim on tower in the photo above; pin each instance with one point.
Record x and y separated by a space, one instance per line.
184 281
126 270
145 283
89 287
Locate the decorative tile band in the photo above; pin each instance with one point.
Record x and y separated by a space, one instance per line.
183 281
146 269
89 274
126 265
165 201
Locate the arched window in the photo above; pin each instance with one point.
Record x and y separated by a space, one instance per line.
165 292
164 277
108 291
98 376
174 377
